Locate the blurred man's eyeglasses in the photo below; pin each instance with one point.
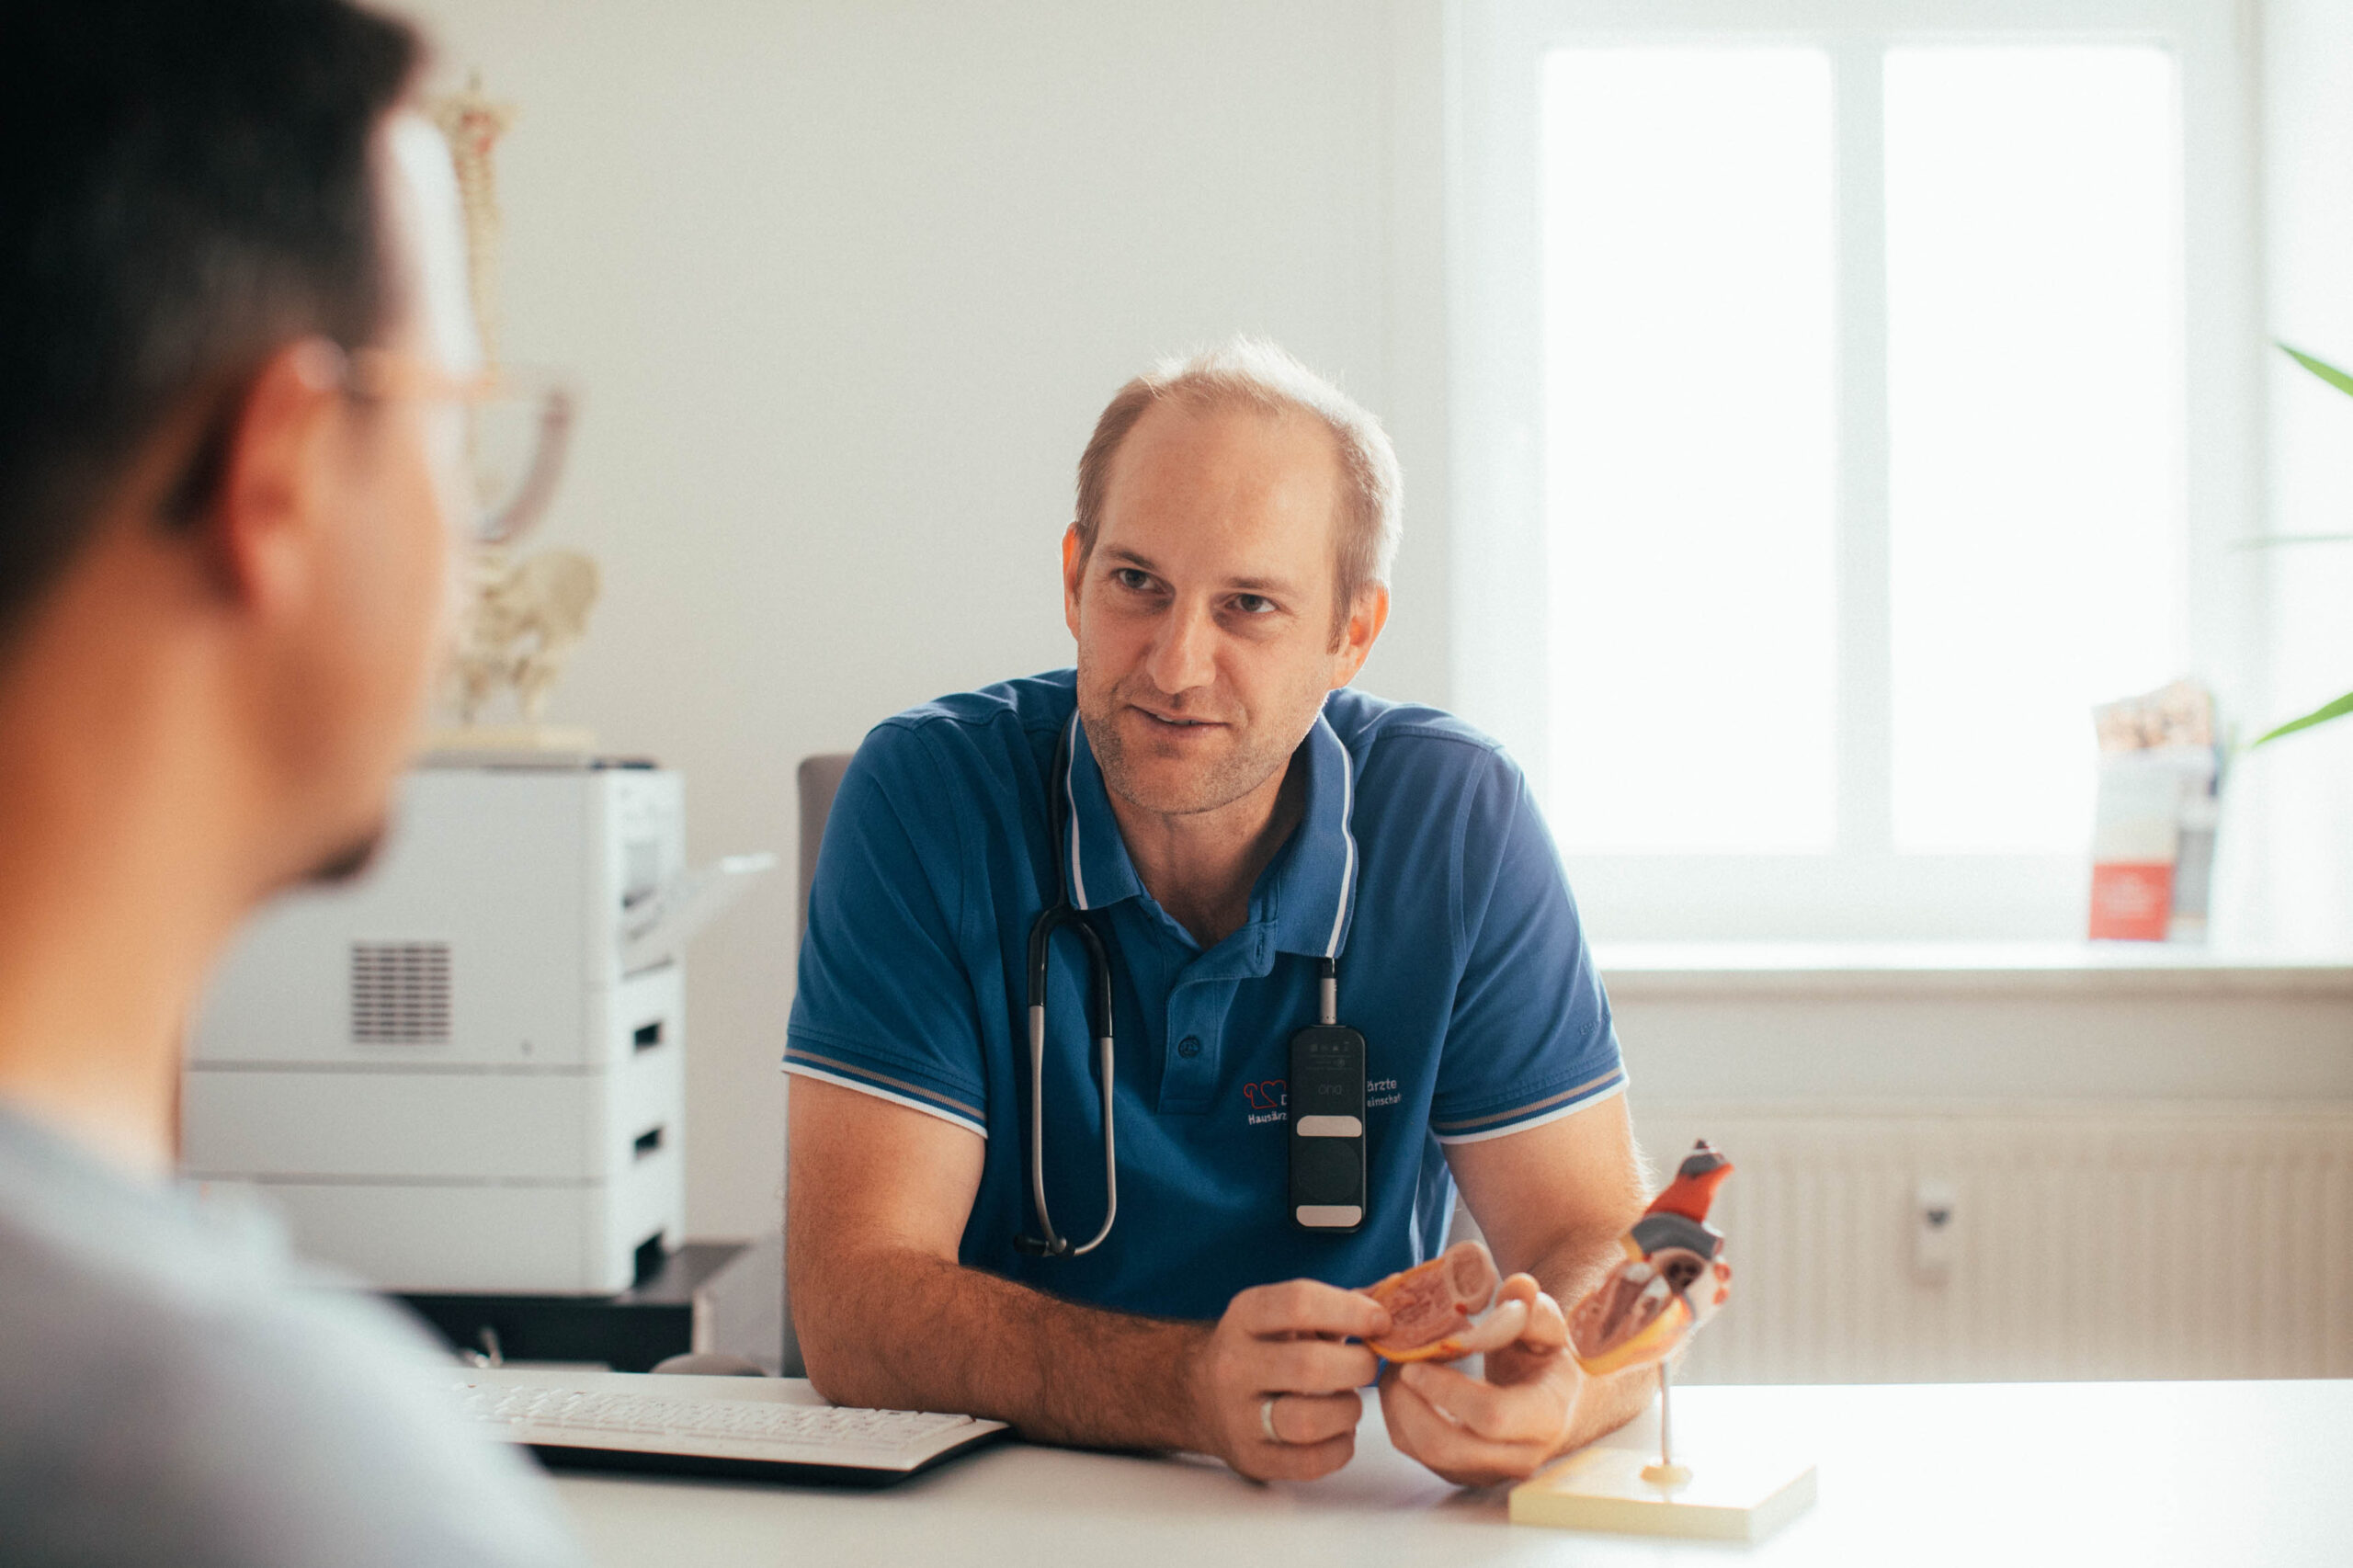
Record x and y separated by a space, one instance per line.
503 451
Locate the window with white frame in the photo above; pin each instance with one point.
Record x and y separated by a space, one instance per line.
1848 394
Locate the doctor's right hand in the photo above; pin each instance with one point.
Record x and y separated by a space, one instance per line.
1275 1384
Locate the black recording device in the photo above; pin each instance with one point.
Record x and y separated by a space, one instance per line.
1326 1095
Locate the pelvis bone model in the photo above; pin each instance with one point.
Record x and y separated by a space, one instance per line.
1673 1279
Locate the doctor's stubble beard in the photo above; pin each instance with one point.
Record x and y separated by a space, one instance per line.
1227 780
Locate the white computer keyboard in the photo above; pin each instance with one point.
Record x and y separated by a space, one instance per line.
727 1427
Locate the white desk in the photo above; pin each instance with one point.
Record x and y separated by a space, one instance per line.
2146 1474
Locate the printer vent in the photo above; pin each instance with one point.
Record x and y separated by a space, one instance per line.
400 993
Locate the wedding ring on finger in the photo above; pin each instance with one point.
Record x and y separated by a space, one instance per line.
1266 1420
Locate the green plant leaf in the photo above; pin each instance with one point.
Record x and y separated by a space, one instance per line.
2320 368
2321 715
2343 705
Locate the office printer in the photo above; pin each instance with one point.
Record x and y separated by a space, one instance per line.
465 1072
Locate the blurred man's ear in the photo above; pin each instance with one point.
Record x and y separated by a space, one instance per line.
277 476
1073 564
1367 616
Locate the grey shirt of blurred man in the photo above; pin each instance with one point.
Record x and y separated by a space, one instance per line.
175 1389
231 327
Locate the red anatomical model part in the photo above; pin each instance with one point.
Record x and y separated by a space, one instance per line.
1673 1280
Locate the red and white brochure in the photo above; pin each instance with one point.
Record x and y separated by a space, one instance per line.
2153 830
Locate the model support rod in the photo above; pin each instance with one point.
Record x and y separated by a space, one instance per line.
1665 1424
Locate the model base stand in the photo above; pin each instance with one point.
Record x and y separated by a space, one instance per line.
1740 1494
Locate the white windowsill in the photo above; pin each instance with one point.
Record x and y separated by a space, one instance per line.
1644 970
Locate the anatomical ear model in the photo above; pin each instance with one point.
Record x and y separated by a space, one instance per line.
1673 1280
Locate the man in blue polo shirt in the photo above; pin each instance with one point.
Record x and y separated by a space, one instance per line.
1208 795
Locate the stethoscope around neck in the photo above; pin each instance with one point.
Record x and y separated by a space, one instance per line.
1059 915
1062 914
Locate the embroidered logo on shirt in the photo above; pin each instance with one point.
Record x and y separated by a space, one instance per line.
1268 1100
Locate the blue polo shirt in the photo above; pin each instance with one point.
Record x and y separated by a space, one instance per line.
1420 858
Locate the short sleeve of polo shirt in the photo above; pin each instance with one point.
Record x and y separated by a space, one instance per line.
1530 1039
884 1005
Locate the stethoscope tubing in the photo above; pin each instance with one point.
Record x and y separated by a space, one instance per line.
1055 1245
1062 914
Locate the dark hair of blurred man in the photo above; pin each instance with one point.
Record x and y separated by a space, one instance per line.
232 344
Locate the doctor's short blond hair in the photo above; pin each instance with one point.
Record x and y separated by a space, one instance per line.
1253 374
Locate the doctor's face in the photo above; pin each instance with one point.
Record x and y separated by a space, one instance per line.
1204 614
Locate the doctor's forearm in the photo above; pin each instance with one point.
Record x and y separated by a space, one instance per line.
901 1328
1608 1403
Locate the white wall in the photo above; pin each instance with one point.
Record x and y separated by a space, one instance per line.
845 285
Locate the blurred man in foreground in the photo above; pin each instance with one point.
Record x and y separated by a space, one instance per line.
232 350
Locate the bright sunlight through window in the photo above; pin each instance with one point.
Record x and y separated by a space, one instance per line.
2034 404
1690 448
1708 670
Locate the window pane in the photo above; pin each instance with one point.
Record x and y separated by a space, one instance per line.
1688 287
2035 426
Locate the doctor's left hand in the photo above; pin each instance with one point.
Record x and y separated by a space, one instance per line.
1478 1431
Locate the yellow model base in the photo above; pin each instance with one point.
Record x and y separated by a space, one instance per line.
1719 1497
